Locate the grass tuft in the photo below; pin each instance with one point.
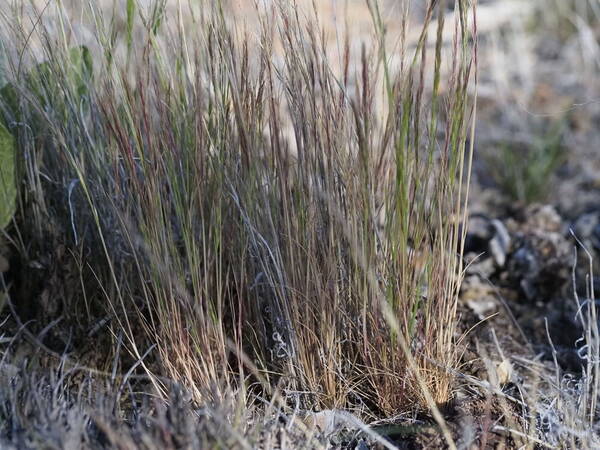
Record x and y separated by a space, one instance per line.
256 222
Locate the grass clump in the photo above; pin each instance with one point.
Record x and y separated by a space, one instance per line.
255 224
524 171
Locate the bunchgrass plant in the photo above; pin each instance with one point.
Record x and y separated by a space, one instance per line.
256 222
524 171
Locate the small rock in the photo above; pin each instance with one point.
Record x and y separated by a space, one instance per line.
361 445
478 296
543 218
504 372
483 307
524 265
479 234
486 246
328 421
540 264
587 230
478 264
500 243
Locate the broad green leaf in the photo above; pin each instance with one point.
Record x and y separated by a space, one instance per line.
41 80
8 187
9 98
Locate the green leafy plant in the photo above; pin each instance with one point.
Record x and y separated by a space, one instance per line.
78 70
40 84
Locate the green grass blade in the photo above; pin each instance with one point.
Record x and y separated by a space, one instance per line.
8 188
130 16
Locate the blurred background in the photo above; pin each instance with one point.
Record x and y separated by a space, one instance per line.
538 86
